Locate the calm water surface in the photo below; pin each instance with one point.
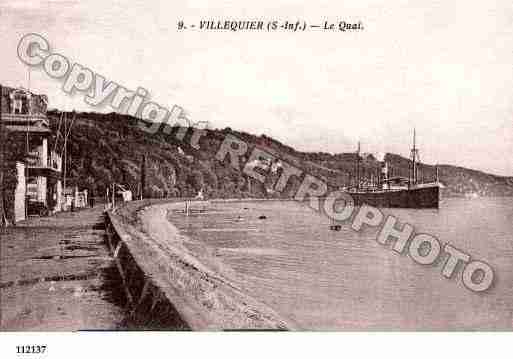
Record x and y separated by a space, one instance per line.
345 280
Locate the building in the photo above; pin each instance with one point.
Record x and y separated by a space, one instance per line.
38 173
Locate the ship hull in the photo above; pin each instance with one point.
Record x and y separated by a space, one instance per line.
423 197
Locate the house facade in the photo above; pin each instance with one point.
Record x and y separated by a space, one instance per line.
38 175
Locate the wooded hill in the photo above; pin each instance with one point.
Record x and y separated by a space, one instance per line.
106 148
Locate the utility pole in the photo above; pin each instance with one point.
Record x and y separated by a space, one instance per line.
65 153
113 195
143 176
67 132
27 144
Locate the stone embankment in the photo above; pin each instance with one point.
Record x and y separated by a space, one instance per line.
168 287
119 270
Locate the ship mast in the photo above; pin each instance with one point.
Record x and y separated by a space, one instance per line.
358 166
414 155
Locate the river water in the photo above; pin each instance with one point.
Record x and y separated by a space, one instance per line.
345 280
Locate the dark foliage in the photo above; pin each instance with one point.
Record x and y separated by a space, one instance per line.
109 147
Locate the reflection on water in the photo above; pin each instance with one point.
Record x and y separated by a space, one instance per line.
345 280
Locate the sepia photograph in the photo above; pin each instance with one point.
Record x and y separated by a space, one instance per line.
329 169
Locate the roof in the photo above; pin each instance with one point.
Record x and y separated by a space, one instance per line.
9 89
34 129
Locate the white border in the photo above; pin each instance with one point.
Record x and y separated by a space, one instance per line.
236 345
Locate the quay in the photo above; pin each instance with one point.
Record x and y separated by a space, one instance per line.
56 274
124 269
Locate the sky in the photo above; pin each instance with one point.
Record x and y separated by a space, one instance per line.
442 67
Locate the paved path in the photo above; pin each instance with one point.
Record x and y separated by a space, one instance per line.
56 274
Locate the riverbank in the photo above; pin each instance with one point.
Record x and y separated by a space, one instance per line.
224 267
127 270
199 287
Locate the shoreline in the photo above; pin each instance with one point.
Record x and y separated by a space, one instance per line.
202 289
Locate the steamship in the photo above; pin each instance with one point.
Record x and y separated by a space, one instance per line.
396 192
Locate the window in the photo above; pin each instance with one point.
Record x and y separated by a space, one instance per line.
20 103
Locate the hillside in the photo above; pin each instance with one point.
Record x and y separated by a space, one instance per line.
109 147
